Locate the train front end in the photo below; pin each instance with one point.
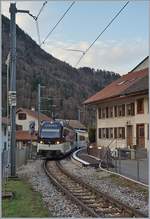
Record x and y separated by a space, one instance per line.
51 142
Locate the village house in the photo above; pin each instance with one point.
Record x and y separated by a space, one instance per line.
24 117
123 110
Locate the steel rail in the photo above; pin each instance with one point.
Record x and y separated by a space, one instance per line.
68 193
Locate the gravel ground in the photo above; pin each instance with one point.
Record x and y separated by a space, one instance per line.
58 205
101 180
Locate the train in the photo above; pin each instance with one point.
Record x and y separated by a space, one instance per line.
55 140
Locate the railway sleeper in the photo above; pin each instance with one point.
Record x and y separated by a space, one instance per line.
82 194
107 210
88 197
88 201
116 215
94 205
75 188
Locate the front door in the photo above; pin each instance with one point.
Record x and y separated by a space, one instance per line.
129 135
140 135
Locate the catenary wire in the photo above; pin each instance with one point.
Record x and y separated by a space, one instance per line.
36 21
58 22
102 32
41 9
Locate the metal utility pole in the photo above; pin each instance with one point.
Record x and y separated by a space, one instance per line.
13 12
12 93
39 105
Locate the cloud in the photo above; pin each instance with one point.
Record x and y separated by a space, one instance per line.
118 56
111 55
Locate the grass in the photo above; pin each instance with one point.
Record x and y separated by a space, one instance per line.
26 202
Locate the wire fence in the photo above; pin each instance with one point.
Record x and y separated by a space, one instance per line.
132 163
22 155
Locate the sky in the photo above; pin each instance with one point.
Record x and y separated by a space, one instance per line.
120 48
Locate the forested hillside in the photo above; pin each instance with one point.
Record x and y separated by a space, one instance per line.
35 66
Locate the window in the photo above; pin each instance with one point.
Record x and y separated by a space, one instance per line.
106 112
111 132
99 113
123 109
115 111
115 132
22 116
121 132
104 133
107 133
130 109
103 113
110 113
140 106
141 131
99 133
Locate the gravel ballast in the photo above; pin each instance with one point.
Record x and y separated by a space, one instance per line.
55 201
102 181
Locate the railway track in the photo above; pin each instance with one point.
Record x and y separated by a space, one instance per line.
89 199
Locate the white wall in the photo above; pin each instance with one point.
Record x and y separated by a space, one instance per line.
25 123
122 122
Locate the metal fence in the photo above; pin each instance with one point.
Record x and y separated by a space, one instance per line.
22 155
136 169
128 162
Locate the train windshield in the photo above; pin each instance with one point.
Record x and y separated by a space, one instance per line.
50 131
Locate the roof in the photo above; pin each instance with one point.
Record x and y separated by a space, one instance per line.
76 124
129 83
25 136
34 114
140 65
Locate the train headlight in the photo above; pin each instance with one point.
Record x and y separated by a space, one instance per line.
41 142
57 142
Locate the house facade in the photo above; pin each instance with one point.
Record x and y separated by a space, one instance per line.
123 111
123 122
25 116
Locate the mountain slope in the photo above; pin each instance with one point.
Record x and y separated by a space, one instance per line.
35 66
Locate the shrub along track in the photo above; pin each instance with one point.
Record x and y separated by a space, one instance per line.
88 198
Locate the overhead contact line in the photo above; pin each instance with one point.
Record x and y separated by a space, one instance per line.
102 32
58 22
